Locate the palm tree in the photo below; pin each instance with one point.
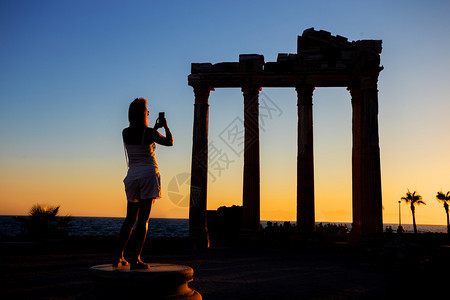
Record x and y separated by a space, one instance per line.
445 198
43 222
413 199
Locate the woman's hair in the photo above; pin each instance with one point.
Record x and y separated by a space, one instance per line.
136 113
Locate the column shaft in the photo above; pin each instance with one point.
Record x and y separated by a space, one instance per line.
305 161
367 202
356 161
251 186
199 170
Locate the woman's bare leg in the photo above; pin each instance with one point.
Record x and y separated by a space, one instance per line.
142 227
127 227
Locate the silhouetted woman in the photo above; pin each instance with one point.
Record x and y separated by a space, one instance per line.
142 183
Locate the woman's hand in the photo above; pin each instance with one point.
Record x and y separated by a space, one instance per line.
160 124
158 138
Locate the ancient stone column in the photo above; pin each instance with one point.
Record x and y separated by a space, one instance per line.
305 161
251 189
355 92
199 170
367 204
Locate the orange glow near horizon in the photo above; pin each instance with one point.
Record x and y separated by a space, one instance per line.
332 205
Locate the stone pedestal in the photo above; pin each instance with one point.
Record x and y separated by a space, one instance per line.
161 281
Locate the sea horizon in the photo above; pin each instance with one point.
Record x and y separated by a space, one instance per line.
279 221
168 227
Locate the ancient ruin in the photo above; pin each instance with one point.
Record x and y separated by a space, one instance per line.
322 60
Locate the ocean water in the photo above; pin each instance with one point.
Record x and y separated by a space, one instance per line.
103 226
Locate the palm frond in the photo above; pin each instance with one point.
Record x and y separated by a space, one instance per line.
440 196
412 198
43 222
417 197
53 211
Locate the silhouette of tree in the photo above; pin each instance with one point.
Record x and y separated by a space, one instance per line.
445 198
413 199
43 222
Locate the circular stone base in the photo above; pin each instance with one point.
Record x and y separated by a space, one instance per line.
161 281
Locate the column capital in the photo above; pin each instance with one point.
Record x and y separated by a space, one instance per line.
354 85
355 92
251 89
304 94
201 93
305 89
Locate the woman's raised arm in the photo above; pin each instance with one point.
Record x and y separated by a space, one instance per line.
160 139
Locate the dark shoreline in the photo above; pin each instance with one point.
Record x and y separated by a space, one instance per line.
101 226
57 269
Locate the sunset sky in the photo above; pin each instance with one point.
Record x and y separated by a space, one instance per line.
69 69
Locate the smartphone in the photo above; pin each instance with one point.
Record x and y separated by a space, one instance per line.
161 118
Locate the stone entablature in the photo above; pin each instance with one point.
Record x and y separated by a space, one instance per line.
322 60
